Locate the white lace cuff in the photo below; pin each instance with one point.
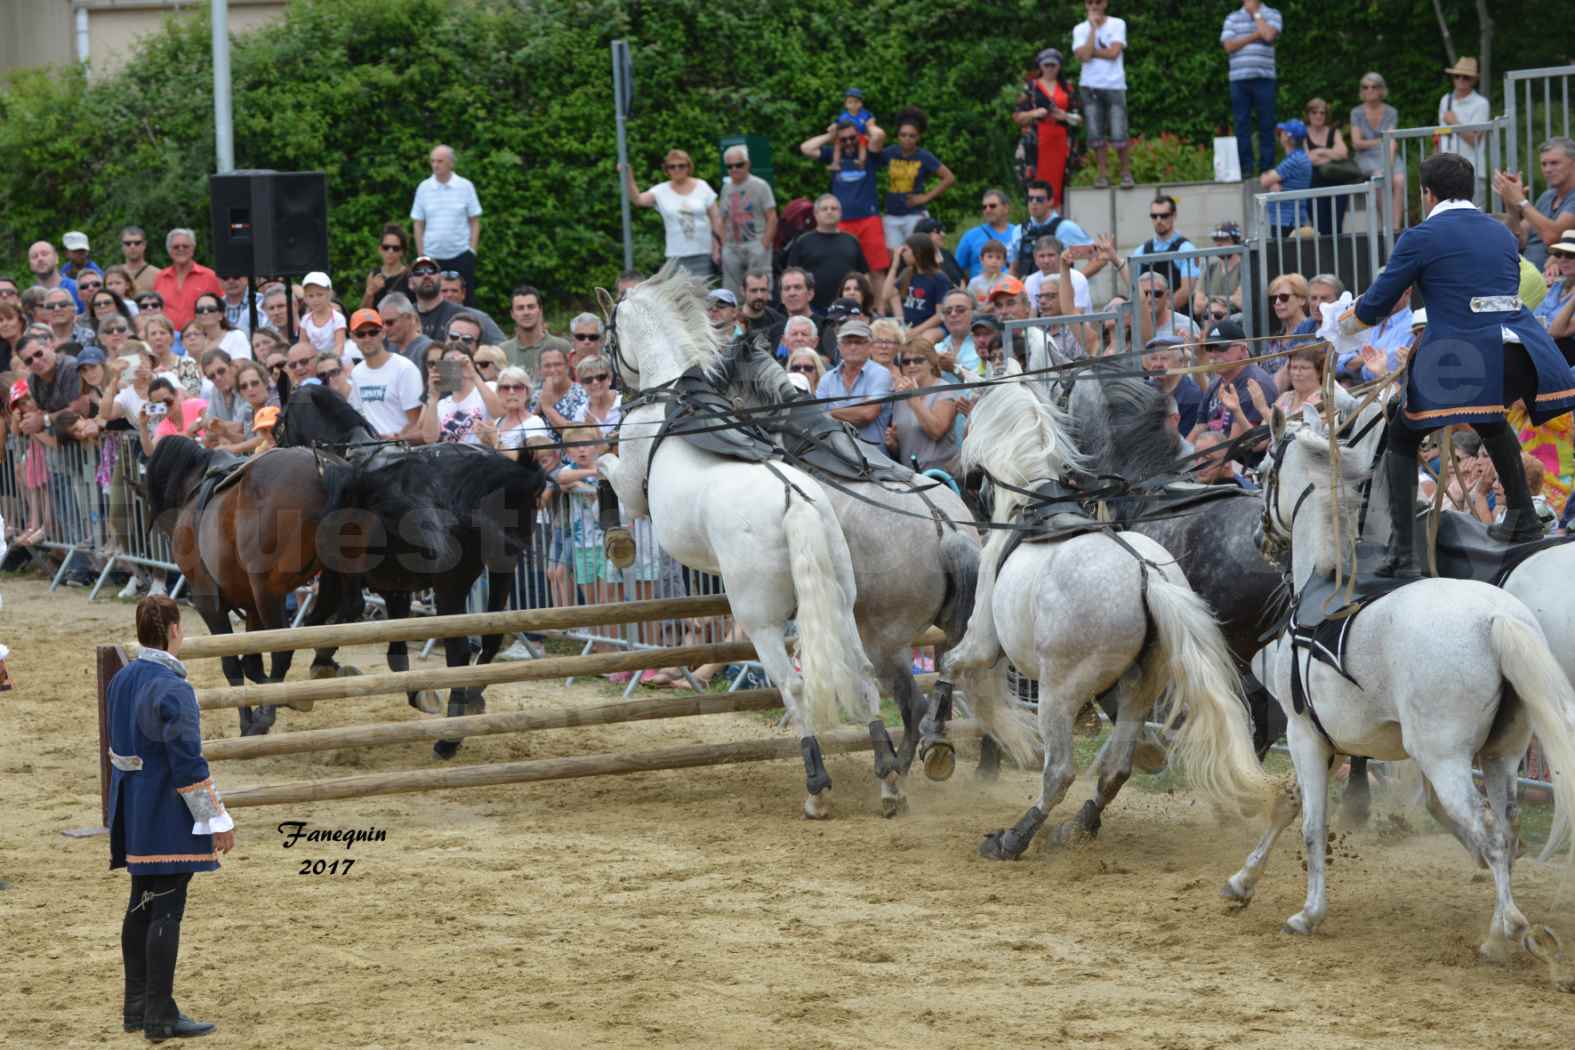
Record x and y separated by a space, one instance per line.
219 822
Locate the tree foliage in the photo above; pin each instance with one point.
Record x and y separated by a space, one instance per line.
361 89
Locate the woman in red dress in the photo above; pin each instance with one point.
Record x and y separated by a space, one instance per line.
1046 105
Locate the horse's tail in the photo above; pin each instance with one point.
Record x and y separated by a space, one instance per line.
1214 741
1539 681
960 567
831 657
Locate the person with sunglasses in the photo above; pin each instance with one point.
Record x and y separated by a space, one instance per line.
299 362
227 411
921 432
746 213
89 284
858 207
134 256
391 275
687 205
330 372
1044 111
251 382
516 424
169 412
1464 105
806 362
447 217
184 279
460 414
106 304
1181 276
61 311
1221 274
386 387
436 312
212 318
603 405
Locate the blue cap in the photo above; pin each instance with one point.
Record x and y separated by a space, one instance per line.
91 356
1294 128
853 93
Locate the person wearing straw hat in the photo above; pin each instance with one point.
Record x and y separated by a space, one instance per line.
1464 105
1560 296
1481 352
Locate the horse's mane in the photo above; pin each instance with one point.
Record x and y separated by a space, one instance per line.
176 463
1121 426
320 416
1019 438
680 295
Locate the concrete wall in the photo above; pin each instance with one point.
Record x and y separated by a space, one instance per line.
42 32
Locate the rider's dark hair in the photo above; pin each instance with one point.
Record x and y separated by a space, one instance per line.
1449 176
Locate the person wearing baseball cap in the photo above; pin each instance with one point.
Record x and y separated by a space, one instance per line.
1295 172
386 387
322 325
1465 105
76 246
721 308
855 379
1221 274
1228 404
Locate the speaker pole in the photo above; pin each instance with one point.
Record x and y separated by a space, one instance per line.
223 128
251 298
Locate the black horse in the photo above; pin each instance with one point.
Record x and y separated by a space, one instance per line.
430 516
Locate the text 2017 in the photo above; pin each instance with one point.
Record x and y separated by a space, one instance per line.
325 867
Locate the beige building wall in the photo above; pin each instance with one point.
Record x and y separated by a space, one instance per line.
43 32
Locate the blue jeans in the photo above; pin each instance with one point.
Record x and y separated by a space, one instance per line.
1255 94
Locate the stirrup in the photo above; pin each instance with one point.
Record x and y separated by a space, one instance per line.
618 545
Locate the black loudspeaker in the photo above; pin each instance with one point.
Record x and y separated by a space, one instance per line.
269 222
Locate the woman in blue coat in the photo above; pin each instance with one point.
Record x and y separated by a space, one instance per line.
165 816
1482 350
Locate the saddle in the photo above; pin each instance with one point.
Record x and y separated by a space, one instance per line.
224 470
1466 552
811 438
1058 512
1177 497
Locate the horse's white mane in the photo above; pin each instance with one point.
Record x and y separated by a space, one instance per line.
677 299
1020 438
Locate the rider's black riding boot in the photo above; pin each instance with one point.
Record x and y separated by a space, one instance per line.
1520 523
617 541
1399 556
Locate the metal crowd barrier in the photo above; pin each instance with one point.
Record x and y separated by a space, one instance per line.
1137 265
1397 156
1520 116
88 499
1289 250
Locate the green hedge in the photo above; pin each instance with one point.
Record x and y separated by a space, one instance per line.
361 89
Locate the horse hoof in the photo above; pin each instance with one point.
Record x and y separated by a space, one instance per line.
349 671
427 702
445 749
893 805
939 758
818 806
320 671
1231 892
994 847
1071 833
987 773
1296 925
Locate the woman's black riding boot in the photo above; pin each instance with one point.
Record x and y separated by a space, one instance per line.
163 1019
1520 524
1399 556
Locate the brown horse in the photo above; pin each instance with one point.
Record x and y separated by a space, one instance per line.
246 544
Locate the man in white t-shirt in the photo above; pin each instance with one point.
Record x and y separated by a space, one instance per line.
447 218
386 387
1098 42
1047 256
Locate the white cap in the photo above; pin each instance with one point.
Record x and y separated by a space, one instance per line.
318 278
75 241
801 381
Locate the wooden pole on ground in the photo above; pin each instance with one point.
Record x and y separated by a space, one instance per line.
386 733
841 741
483 674
420 628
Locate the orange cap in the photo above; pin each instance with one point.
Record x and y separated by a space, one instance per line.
365 315
265 417
1008 285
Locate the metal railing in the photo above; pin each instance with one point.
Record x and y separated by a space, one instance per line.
1521 116
84 501
1288 251
1397 157
1138 265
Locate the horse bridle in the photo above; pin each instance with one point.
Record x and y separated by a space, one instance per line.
1274 530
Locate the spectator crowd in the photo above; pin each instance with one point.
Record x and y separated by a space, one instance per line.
859 293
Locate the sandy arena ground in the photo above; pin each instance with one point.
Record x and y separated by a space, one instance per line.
696 909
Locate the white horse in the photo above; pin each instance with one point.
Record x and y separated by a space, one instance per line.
1088 614
1541 581
1439 671
768 529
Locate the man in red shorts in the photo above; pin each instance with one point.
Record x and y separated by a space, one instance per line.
853 184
